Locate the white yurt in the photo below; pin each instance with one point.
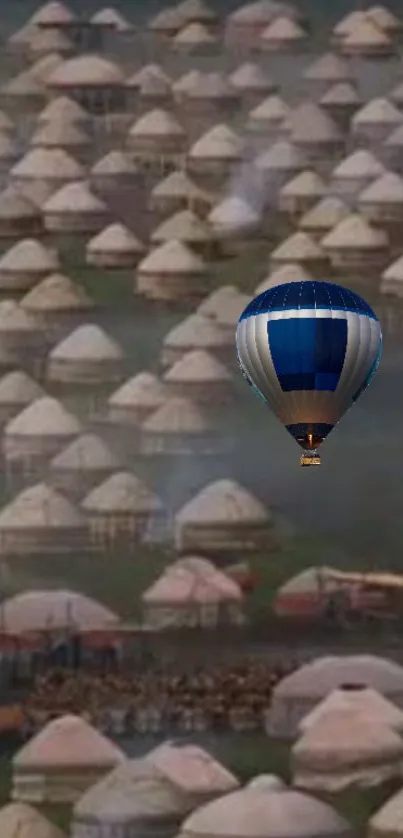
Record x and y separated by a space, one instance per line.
172 272
136 399
360 699
38 432
20 819
85 463
24 264
87 356
121 509
196 332
114 247
17 390
180 427
200 377
356 245
74 210
54 610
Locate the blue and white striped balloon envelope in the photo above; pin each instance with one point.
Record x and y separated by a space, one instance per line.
309 349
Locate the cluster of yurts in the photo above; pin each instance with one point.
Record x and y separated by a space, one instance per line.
340 738
161 171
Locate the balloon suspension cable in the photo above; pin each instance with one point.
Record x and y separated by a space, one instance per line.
310 458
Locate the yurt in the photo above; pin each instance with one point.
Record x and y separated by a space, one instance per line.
172 272
25 264
367 40
283 35
358 699
157 138
301 193
19 217
185 226
246 23
266 808
252 83
297 694
9 152
182 85
345 749
388 819
301 248
165 23
62 761
223 517
91 80
391 150
280 163
114 247
192 593
17 390
355 245
40 521
136 399
215 155
179 427
200 377
216 301
38 432
381 202
211 96
178 192
43 171
55 303
392 279
85 463
150 88
20 819
120 509
22 342
325 71
115 171
153 794
65 110
54 610
74 209
374 121
355 172
305 595
341 101
195 39
314 132
235 224
197 11
270 119
87 356
196 332
227 316
323 217
65 136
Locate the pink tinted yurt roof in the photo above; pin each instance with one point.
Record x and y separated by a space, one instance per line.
183 584
68 742
192 769
54 609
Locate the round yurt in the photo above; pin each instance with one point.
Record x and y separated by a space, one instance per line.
356 245
40 521
355 173
235 225
289 272
196 332
55 303
215 155
381 203
62 761
178 192
121 509
270 119
19 217
374 122
323 217
85 463
25 264
185 226
22 342
172 272
136 399
114 247
65 136
115 171
74 209
200 377
360 699
297 694
43 171
300 247
54 610
223 517
157 139
20 819
17 390
180 427
301 193
38 432
91 80
341 101
87 356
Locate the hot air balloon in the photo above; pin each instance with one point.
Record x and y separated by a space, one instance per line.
309 349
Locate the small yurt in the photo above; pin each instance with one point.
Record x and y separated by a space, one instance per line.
62 761
192 593
87 356
223 517
66 136
301 248
388 819
280 163
115 171
55 304
157 139
270 119
367 40
325 71
355 172
22 342
40 521
115 247
392 279
17 390
195 39
74 209
64 110
341 101
135 400
290 272
297 694
185 226
345 749
235 224
19 217
151 87
216 301
172 272
359 699
381 202
121 509
153 794
266 808
375 121
356 245
305 595
323 217
93 81
179 427
38 432
54 610
85 463
178 192
20 819
211 96
215 155
227 315
252 82
391 150
196 332
283 35
25 264
301 193
315 133
43 171
200 377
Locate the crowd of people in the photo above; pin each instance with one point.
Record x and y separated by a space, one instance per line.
217 698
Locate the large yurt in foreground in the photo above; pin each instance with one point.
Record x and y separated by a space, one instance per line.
60 762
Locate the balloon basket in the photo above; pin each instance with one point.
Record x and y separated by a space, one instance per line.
310 458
